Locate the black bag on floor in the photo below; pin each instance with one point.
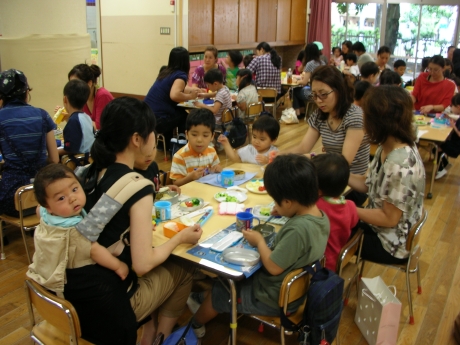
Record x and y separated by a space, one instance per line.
177 143
235 131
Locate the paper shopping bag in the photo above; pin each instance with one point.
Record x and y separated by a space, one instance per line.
378 312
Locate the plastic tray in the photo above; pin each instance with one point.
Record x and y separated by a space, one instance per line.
241 256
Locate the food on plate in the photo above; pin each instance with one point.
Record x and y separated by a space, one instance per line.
190 203
173 226
226 197
261 188
256 186
265 211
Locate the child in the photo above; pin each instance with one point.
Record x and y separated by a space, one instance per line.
265 131
351 66
61 200
451 147
247 60
78 133
233 60
215 82
247 91
333 173
400 67
196 159
299 63
359 91
337 57
370 72
301 241
388 77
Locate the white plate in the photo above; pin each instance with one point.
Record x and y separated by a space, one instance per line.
453 116
253 186
240 196
256 212
193 208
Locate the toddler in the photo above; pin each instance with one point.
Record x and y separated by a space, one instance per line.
61 199
78 133
247 91
215 82
301 241
265 131
197 158
400 67
233 60
337 57
333 173
351 66
370 72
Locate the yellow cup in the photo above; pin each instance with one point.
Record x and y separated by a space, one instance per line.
283 75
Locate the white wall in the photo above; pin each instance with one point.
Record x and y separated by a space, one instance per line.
132 48
44 39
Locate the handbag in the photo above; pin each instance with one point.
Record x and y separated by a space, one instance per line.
289 116
378 312
182 336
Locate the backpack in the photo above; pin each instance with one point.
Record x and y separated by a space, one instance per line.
323 307
265 112
235 131
177 143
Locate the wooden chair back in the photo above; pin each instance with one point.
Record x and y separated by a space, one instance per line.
54 310
227 115
25 198
350 249
266 92
295 285
254 109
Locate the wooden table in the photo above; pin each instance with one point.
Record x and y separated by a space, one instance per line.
211 227
434 136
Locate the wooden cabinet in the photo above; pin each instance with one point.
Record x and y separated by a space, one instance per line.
298 20
241 24
200 23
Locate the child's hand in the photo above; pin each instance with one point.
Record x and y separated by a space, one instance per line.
203 95
274 212
253 237
122 271
174 188
194 93
262 159
222 139
196 174
197 104
452 122
216 169
56 108
191 234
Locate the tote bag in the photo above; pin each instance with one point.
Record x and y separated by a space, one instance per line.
378 312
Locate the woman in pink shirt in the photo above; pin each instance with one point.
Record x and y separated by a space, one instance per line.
98 96
433 92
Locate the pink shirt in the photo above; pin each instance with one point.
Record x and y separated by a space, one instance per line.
100 101
342 217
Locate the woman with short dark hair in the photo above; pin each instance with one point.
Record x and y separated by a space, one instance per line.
432 92
395 182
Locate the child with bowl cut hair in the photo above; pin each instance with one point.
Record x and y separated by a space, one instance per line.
333 173
197 158
233 60
265 132
301 241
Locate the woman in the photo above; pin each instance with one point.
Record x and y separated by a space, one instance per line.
26 138
109 308
267 67
210 61
311 61
395 182
432 92
338 121
383 55
98 96
346 48
169 89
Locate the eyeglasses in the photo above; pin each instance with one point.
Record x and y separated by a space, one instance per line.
321 96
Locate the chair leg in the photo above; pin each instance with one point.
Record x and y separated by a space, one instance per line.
25 244
283 341
409 295
419 281
3 256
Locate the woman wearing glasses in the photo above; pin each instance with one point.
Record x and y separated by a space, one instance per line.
433 92
338 121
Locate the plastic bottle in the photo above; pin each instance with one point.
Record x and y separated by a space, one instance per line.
59 116
289 76
342 66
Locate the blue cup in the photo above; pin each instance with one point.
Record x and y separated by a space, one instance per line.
163 210
226 178
244 221
58 142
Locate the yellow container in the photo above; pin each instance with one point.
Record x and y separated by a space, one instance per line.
283 75
410 88
59 116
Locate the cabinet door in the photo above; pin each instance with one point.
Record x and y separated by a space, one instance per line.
298 20
266 21
200 22
225 22
283 20
248 21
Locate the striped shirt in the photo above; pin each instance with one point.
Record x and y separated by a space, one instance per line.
223 97
312 65
333 140
267 75
186 160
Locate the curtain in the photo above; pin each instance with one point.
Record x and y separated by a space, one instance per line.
319 28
